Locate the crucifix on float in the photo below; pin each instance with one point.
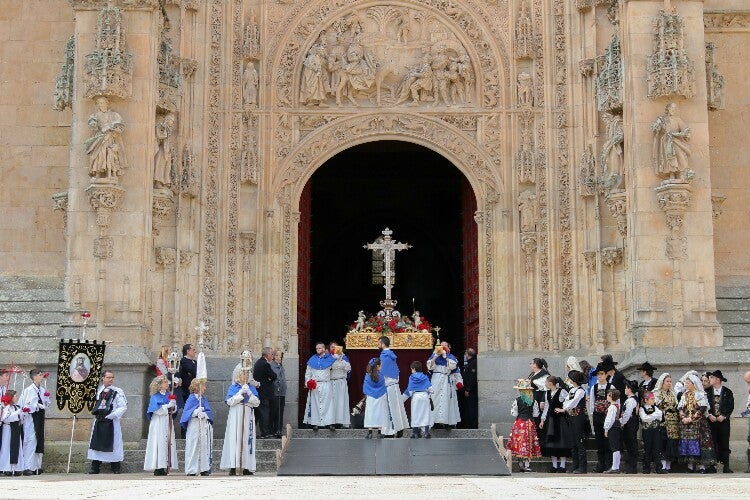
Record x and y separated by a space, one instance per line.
387 249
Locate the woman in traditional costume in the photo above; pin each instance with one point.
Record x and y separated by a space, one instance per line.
695 446
161 447
524 442
557 442
376 406
11 449
238 454
198 421
666 401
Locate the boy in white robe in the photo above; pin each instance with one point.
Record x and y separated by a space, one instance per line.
106 434
11 449
445 380
340 386
161 447
197 420
419 391
36 399
238 454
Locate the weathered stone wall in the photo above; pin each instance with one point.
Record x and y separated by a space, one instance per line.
34 139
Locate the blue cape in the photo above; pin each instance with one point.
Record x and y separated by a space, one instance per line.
155 403
418 382
441 361
235 388
374 389
321 363
190 405
388 361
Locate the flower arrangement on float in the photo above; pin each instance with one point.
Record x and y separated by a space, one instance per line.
397 324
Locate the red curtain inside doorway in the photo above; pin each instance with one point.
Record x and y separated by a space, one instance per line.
303 287
470 265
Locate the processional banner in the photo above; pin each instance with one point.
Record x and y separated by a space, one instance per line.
79 368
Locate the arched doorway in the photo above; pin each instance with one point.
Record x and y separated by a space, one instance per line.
347 202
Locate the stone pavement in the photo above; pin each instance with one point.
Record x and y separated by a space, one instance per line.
418 487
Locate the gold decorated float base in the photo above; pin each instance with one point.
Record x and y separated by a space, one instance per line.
406 340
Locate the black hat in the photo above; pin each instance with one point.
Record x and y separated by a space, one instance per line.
632 385
604 366
718 375
577 377
607 358
647 367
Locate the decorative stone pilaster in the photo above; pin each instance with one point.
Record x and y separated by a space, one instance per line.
163 205
105 197
529 246
589 257
714 80
617 204
588 181
717 201
674 199
109 68
611 256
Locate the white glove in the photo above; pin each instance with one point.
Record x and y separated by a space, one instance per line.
197 412
166 406
173 403
445 355
176 381
111 416
246 389
202 414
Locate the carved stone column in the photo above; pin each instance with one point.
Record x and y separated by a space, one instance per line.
665 125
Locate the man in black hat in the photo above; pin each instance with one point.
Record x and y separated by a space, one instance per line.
648 382
598 409
720 408
615 377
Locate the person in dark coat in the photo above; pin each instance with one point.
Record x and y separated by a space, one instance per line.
648 382
720 408
615 377
471 395
263 373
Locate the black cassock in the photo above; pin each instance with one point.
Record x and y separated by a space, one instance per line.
103 435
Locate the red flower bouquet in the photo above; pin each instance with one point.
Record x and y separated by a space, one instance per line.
171 397
46 394
46 375
6 400
459 385
311 384
26 409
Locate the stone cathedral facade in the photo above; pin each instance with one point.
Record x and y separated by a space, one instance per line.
155 152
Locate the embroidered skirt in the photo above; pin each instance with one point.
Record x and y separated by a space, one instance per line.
524 442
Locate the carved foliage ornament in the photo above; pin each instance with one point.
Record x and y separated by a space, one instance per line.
109 69
64 82
674 199
524 38
169 72
670 70
714 80
609 82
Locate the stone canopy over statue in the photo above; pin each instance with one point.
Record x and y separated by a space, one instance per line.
404 332
386 55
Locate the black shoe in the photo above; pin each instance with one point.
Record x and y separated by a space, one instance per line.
380 435
232 472
646 471
247 472
331 427
28 472
414 435
400 433
277 436
552 469
190 474
315 428
17 473
369 435
711 470
206 473
599 469
579 471
95 466
662 471
39 471
427 435
116 467
7 473
727 470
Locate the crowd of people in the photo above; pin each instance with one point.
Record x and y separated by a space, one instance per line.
683 421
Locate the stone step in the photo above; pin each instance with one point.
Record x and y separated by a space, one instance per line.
736 329
31 295
35 318
33 306
733 304
26 344
736 317
325 433
31 283
733 292
29 330
737 343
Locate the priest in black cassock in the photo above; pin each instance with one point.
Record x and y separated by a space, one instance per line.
106 433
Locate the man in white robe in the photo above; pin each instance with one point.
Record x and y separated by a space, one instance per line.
106 433
35 400
340 386
319 408
397 419
445 378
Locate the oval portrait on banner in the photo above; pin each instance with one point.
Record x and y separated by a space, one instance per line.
80 367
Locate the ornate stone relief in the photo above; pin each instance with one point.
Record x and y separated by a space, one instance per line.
611 256
134 4
188 67
717 201
104 247
618 207
528 247
589 181
64 82
165 256
191 5
189 180
671 148
250 163
169 72
670 70
714 80
584 5
674 198
250 85
104 199
609 82
586 67
525 161
109 69
469 122
524 39
163 205
491 135
370 48
589 257
726 21
251 40
60 202
611 155
525 90
527 211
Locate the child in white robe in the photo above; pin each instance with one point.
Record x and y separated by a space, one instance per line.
11 450
36 399
419 390
376 405
161 447
197 420
238 454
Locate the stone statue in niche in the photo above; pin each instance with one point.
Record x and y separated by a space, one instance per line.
250 85
611 155
527 209
671 151
165 130
315 80
105 148
525 91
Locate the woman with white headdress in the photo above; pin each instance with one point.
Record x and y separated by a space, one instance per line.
666 400
238 454
695 446
572 364
679 387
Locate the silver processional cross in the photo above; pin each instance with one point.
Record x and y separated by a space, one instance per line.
387 249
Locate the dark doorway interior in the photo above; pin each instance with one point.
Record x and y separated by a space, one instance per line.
416 193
